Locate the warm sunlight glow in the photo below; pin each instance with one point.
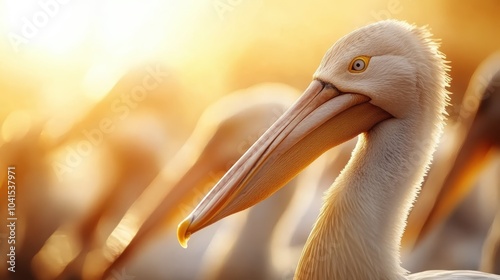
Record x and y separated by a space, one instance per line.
54 26
56 253
94 43
100 79
16 125
110 133
117 27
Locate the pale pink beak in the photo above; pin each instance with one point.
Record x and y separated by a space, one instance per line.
320 119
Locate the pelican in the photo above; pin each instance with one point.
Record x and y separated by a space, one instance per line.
293 227
465 141
386 82
238 118
476 151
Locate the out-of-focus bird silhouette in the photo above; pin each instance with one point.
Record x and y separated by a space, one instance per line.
480 120
126 171
224 132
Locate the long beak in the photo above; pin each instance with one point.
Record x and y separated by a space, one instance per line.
320 119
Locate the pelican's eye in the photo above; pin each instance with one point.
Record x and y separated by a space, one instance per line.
359 64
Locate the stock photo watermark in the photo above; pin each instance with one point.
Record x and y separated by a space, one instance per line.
240 149
122 275
11 221
484 87
31 26
120 109
323 255
222 7
392 8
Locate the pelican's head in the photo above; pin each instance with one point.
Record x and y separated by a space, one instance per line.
386 70
393 63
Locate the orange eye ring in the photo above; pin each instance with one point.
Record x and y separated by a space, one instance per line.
359 64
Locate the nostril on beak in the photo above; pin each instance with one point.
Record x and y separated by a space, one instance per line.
327 86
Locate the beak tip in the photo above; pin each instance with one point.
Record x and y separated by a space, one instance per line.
182 233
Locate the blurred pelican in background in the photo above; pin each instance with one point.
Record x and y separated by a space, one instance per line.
224 132
479 129
39 210
102 202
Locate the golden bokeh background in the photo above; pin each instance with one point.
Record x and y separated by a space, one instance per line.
92 90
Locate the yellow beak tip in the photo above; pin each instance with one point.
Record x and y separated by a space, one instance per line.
182 234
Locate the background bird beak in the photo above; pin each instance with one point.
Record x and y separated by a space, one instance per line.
320 119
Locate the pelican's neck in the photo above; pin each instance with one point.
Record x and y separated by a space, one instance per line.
358 232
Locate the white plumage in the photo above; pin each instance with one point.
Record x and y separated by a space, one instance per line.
386 82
